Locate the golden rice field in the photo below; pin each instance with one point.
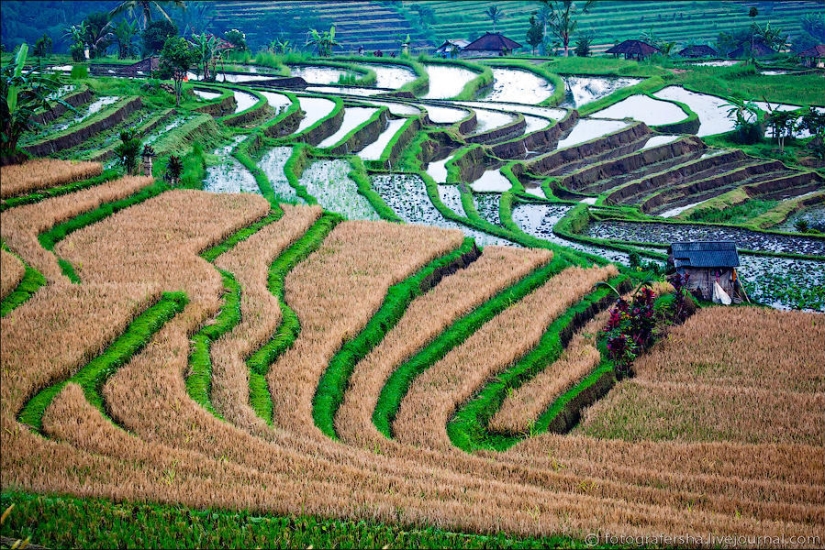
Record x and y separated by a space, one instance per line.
720 432
38 174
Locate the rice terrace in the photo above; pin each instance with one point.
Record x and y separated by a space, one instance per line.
412 274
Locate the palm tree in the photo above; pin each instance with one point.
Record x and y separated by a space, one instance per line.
495 15
145 8
562 19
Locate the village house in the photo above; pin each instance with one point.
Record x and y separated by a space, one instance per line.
711 269
490 45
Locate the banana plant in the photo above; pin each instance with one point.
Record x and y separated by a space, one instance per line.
21 95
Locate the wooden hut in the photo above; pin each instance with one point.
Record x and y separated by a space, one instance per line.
633 49
698 51
814 57
758 48
707 263
490 45
446 49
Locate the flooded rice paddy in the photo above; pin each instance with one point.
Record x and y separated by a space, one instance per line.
580 90
319 74
374 150
329 183
94 107
244 100
588 129
645 109
230 176
272 163
518 86
392 76
353 118
447 82
487 120
491 181
315 108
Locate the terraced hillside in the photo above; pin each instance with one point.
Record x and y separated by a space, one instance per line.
380 25
379 308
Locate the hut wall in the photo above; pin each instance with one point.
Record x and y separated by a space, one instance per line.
703 279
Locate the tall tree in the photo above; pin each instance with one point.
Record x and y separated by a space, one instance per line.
495 15
176 58
535 34
145 9
562 20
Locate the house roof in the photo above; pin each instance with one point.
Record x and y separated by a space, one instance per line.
698 51
704 254
816 51
448 44
759 49
492 42
633 47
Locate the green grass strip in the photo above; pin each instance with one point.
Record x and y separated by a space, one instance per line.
211 254
92 376
468 428
59 521
358 174
334 381
199 381
260 361
30 283
399 381
106 175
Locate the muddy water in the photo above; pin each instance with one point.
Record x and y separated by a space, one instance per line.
207 95
272 164
491 181
814 216
437 169
317 74
783 283
374 150
328 182
580 90
244 100
587 129
392 76
490 120
315 108
444 115
407 195
517 86
645 109
230 176
487 206
538 220
279 102
353 118
345 90
446 81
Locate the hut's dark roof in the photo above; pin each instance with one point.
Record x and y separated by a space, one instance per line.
698 51
633 47
492 42
448 45
759 49
816 51
705 254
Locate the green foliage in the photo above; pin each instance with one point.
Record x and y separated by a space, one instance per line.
125 34
736 214
98 34
333 383
21 94
237 39
156 34
30 283
399 382
71 522
43 46
323 42
562 19
583 43
129 151
93 375
176 58
79 72
535 33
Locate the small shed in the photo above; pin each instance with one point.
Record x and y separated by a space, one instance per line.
491 44
633 49
707 263
814 57
700 50
446 48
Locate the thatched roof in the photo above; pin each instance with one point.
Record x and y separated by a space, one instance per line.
633 47
817 51
448 45
698 51
759 49
492 42
704 254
